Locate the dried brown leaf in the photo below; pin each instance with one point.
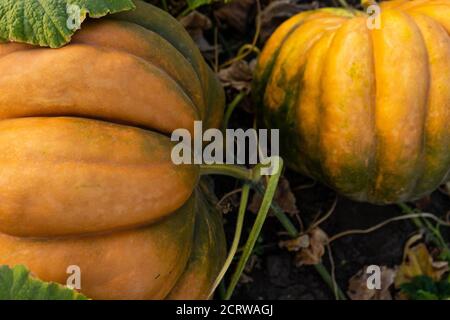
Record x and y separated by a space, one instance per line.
253 262
312 255
301 242
278 11
238 76
423 203
418 261
236 14
358 289
244 279
196 23
284 197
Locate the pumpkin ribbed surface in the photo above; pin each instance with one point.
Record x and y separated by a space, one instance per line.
363 110
85 170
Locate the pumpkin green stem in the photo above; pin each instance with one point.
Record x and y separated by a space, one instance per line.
236 239
406 209
231 107
323 272
256 229
253 179
280 215
436 236
230 170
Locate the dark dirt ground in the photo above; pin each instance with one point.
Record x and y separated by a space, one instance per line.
274 275
279 278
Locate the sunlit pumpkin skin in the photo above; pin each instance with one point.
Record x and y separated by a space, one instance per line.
177 258
86 172
365 111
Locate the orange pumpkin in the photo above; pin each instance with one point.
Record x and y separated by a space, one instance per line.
86 173
363 110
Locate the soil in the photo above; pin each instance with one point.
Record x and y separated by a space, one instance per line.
275 275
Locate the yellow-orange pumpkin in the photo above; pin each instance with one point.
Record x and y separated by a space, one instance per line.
364 110
85 167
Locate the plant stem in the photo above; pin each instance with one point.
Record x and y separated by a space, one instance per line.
164 5
323 272
252 175
256 229
435 233
279 214
238 172
236 239
231 107
344 4
408 210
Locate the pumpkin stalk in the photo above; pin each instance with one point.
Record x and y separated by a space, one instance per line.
231 107
254 176
234 171
325 275
280 215
236 239
256 229
436 236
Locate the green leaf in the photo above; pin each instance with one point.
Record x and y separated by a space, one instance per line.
18 284
51 23
424 288
194 4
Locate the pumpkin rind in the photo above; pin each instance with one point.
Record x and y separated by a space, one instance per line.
363 111
207 257
117 177
86 168
141 263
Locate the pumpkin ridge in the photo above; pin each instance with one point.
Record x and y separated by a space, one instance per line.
346 86
436 150
148 45
129 256
96 200
398 160
206 257
53 99
315 29
157 20
437 11
311 134
264 68
87 176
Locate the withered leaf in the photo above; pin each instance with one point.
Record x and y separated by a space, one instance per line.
278 11
284 197
196 23
312 255
359 290
301 242
236 14
238 76
418 261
